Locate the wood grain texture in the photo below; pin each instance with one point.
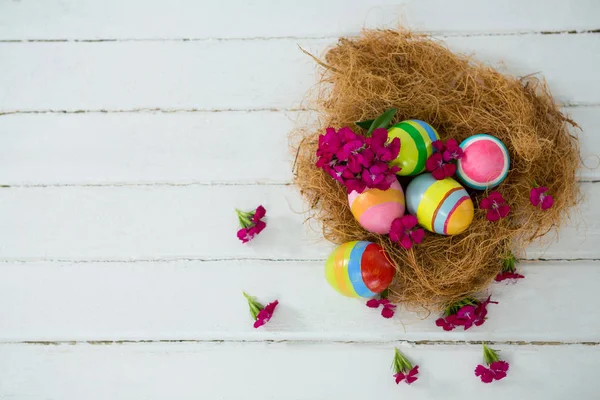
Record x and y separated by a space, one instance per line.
268 73
178 148
191 300
288 371
156 19
198 222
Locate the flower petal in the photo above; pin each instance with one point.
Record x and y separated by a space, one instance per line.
409 221
439 146
387 312
485 204
492 215
449 169
499 366
438 174
405 242
417 235
399 377
547 202
373 303
503 210
259 213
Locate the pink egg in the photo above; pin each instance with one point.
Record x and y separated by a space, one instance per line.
375 209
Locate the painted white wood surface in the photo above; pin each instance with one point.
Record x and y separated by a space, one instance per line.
289 371
198 222
72 263
174 148
242 74
191 300
156 19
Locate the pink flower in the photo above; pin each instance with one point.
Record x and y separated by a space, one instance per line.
265 314
404 371
438 168
502 276
538 197
496 206
383 150
403 231
251 223
465 313
497 368
452 151
410 377
441 163
388 308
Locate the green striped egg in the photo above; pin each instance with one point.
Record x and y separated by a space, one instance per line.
416 138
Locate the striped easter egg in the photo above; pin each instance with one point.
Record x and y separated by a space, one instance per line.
440 206
485 162
375 209
415 145
359 269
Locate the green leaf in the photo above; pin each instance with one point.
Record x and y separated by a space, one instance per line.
401 363
382 121
365 124
453 308
509 263
385 293
255 306
489 355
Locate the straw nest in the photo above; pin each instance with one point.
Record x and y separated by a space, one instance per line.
420 77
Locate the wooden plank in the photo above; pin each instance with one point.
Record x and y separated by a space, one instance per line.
202 301
144 19
288 371
163 223
179 148
268 73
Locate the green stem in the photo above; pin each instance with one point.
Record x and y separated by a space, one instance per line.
508 265
245 218
401 363
490 355
255 306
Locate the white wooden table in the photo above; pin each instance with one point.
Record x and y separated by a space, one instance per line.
129 131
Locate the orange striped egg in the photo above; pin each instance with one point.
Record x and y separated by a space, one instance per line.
442 206
359 269
375 209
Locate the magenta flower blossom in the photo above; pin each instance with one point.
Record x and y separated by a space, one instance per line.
538 197
358 162
496 206
404 371
260 314
251 223
497 368
452 152
465 313
265 314
508 269
388 308
438 168
441 163
410 377
403 231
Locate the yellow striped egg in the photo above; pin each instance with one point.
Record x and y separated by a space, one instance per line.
375 209
359 269
442 206
416 138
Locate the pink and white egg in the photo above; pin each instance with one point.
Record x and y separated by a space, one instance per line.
485 162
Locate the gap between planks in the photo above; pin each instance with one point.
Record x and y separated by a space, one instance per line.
441 34
201 110
315 342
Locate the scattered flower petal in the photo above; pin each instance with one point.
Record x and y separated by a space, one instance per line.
496 206
403 231
538 197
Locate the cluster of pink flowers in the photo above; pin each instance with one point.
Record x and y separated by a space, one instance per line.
442 163
404 231
496 369
261 314
404 371
388 308
509 270
251 223
358 162
496 206
465 313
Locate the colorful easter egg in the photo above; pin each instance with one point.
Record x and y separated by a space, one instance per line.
485 162
359 269
375 209
440 206
416 138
